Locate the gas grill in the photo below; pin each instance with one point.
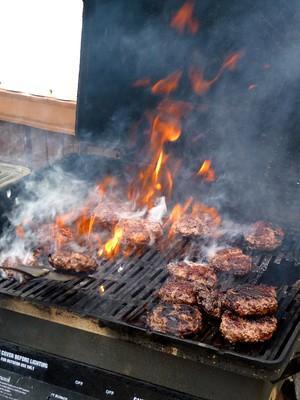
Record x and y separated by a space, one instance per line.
85 337
92 329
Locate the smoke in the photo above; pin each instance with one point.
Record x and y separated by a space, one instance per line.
247 123
41 199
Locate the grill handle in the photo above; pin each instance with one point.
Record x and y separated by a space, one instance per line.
292 368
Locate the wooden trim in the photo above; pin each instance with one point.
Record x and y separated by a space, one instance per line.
37 111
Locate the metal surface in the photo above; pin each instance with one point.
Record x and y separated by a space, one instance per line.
123 291
10 174
37 272
118 354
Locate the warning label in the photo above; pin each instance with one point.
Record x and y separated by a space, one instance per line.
11 391
20 361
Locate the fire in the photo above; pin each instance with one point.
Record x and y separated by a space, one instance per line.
20 231
156 179
176 213
109 182
200 208
252 86
207 172
142 83
198 83
112 246
168 84
232 60
184 18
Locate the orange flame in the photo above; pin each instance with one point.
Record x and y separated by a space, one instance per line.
142 83
198 83
112 246
201 85
20 231
232 60
207 172
176 213
168 84
109 182
184 19
200 208
156 178
252 86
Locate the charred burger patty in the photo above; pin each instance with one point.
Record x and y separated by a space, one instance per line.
199 274
250 300
237 329
177 292
264 236
210 301
176 319
232 260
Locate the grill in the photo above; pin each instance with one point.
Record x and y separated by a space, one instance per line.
86 337
123 291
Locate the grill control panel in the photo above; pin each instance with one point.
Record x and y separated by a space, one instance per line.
27 374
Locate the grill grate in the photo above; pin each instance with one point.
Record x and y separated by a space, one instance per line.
128 289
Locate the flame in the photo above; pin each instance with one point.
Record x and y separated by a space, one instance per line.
252 86
191 208
200 208
142 82
101 289
168 84
109 182
176 108
232 60
20 231
156 179
176 213
112 246
184 19
198 83
207 172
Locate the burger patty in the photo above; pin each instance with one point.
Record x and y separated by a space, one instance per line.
250 300
139 231
177 292
264 236
49 236
73 262
210 301
232 260
189 225
176 319
199 274
108 213
237 329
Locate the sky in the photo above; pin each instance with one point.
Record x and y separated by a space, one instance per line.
40 46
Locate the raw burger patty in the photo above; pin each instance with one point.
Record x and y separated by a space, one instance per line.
237 329
251 300
176 319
